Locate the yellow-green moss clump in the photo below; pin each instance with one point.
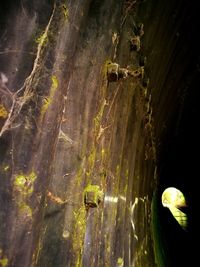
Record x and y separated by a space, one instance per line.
24 183
92 195
42 39
4 262
48 100
79 233
65 11
23 189
3 259
3 112
120 262
105 67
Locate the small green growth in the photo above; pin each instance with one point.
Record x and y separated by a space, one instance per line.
65 11
24 183
78 233
45 105
120 261
4 262
92 195
25 209
42 39
78 263
54 83
23 188
48 100
3 259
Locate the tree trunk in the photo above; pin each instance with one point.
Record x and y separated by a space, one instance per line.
81 107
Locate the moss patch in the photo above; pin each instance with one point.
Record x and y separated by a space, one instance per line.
79 233
4 262
3 112
92 195
65 11
24 183
3 259
23 189
42 39
48 100
120 261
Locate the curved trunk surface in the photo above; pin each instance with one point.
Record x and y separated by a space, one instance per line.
84 120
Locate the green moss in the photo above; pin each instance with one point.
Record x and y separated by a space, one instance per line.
23 189
54 83
93 188
93 195
42 39
45 105
24 183
65 11
78 233
120 261
3 259
78 263
25 209
48 100
4 262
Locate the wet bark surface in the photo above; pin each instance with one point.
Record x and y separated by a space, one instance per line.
66 126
